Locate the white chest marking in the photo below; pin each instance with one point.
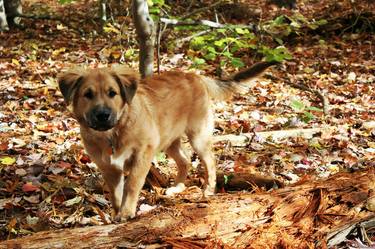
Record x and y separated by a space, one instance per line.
118 160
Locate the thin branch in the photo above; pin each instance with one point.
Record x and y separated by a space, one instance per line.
194 12
207 23
323 99
158 35
181 41
304 87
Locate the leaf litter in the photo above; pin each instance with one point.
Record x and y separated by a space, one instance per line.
47 181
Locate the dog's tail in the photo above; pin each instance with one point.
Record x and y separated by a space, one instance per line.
224 89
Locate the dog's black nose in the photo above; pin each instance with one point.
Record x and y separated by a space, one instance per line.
103 116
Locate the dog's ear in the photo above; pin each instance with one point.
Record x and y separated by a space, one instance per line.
69 82
128 81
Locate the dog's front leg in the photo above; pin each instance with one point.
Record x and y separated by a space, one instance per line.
138 169
114 179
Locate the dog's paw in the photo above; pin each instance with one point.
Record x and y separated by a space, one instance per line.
209 192
175 190
121 218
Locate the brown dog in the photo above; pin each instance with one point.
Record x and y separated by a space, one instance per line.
125 120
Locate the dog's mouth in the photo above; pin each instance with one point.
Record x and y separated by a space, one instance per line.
101 127
101 119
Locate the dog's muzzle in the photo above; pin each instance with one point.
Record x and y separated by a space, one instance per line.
101 118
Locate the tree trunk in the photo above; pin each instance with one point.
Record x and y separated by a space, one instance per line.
3 17
9 11
146 36
305 215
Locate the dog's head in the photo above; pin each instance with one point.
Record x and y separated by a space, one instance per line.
98 96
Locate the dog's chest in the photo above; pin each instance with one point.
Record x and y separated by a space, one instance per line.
118 158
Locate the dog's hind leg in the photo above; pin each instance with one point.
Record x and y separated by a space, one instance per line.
200 140
175 151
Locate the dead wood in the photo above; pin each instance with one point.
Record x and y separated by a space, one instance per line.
339 235
303 215
156 179
207 23
245 138
246 181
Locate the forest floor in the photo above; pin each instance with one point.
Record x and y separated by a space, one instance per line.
47 181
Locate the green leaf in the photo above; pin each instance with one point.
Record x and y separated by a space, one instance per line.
237 62
227 54
307 117
220 43
227 178
129 53
279 20
211 49
198 42
241 31
65 1
297 105
278 54
279 41
321 22
161 157
313 108
315 144
295 24
210 56
198 61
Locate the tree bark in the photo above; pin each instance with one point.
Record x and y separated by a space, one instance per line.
146 36
304 215
9 13
3 17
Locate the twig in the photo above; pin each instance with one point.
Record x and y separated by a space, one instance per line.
158 37
352 25
181 41
304 87
208 23
202 9
159 34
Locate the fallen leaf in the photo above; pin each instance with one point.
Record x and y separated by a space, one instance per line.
7 160
34 199
73 201
21 172
29 187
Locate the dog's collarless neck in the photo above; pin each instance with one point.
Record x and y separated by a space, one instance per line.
111 143
111 149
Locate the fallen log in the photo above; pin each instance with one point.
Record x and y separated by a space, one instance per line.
301 215
244 138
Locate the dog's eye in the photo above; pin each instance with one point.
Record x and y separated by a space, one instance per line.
112 93
89 95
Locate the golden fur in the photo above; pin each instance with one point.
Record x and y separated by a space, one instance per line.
124 121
